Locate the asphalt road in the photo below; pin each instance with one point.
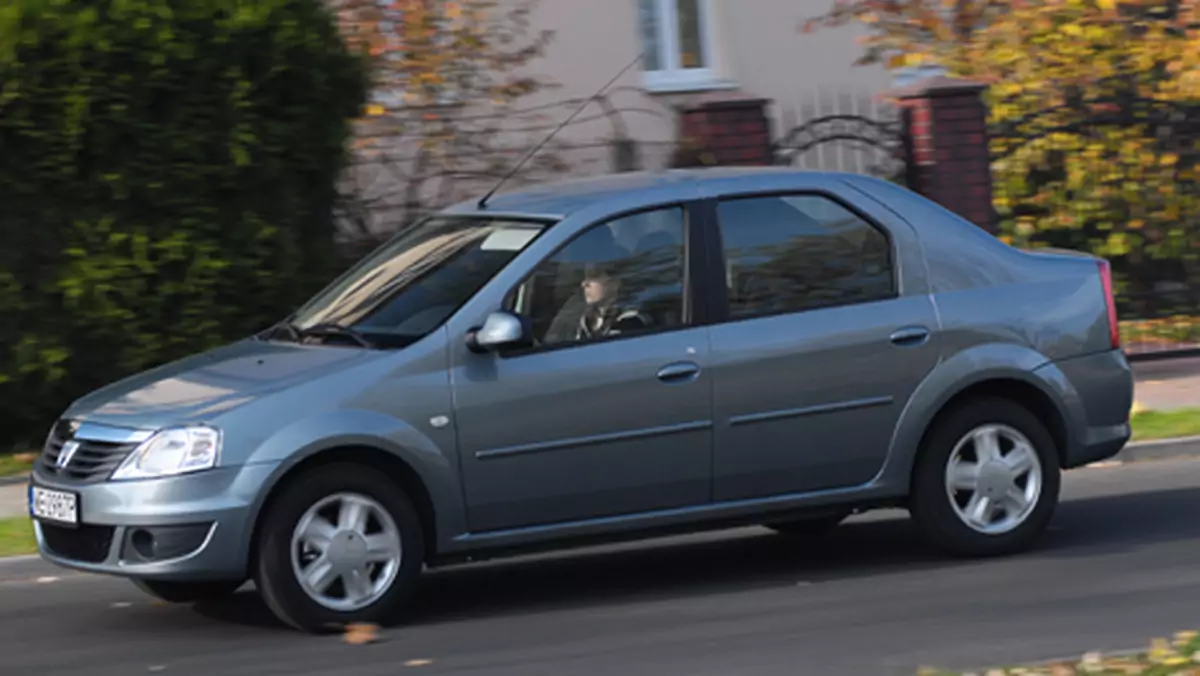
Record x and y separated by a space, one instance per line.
1120 566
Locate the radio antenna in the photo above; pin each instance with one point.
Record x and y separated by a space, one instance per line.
512 172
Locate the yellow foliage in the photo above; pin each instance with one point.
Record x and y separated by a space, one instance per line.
1178 659
1059 72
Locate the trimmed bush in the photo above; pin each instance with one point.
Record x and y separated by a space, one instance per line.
167 175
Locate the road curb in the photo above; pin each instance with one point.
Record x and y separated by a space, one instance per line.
14 480
1159 449
18 559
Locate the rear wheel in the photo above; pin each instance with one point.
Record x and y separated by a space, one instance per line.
187 592
987 481
342 544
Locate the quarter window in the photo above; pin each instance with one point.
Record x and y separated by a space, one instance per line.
618 278
800 252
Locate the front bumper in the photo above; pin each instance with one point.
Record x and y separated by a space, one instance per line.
192 527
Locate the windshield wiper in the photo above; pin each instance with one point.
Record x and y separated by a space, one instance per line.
331 329
286 326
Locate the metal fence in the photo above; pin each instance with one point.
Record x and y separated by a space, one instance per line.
841 130
401 171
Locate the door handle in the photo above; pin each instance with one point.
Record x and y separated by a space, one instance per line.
679 372
910 336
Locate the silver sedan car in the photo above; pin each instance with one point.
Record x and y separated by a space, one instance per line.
610 358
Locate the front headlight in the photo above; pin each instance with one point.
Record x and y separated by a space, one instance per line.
172 451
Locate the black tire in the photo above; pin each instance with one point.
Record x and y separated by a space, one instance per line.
930 505
274 575
810 527
188 592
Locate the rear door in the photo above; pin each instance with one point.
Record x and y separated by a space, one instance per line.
818 351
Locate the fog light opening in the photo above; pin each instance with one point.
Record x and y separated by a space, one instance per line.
142 542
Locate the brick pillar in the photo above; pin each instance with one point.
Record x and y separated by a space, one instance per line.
946 124
725 132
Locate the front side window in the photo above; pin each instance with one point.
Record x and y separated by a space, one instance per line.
411 285
800 252
677 36
618 278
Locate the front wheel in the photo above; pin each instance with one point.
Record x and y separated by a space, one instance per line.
987 482
341 545
187 592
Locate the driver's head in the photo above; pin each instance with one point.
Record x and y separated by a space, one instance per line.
598 284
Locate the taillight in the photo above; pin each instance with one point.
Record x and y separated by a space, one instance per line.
1114 327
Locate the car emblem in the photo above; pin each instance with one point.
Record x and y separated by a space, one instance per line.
65 455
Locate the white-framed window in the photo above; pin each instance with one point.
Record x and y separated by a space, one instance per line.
680 43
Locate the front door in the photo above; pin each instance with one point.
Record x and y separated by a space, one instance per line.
611 412
820 352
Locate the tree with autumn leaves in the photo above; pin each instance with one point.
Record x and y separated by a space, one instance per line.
450 78
1094 116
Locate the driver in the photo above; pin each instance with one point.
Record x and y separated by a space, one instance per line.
604 315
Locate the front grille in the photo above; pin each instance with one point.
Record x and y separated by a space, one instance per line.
86 543
92 462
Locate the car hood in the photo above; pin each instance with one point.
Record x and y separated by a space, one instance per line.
204 386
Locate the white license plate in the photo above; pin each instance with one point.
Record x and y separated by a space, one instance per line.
57 506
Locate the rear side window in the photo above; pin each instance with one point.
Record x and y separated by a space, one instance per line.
793 253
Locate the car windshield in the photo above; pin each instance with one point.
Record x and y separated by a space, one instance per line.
412 284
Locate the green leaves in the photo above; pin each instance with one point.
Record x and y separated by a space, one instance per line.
167 173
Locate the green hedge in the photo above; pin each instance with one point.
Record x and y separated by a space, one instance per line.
167 169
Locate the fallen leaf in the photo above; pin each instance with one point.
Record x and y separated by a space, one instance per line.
361 634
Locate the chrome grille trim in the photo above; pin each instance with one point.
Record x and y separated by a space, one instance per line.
111 435
101 450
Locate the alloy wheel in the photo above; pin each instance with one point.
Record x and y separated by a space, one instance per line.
993 479
346 552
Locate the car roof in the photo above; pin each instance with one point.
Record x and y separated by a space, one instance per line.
558 199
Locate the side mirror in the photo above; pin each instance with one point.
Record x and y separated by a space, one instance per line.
500 329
